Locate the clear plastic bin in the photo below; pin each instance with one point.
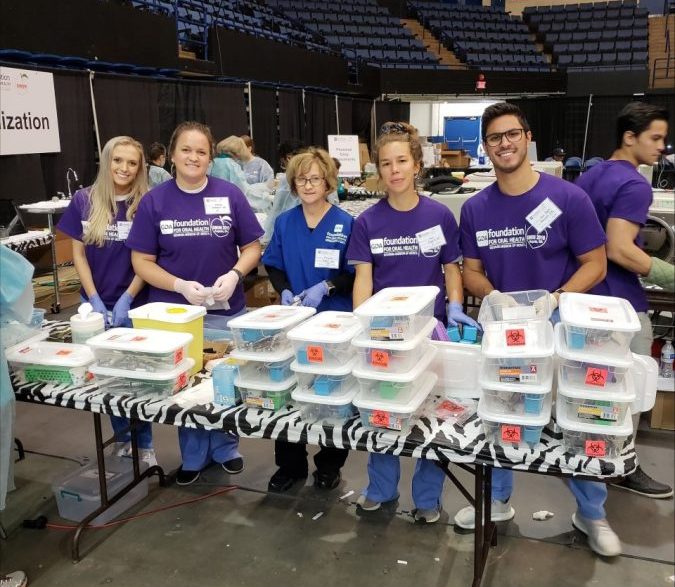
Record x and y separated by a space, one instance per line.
267 371
325 339
601 326
268 396
378 413
162 384
457 367
394 387
325 384
264 331
515 306
592 439
51 362
78 493
332 410
514 402
596 377
526 371
397 313
531 340
514 430
135 349
393 357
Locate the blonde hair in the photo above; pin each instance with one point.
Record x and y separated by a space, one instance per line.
302 162
102 203
392 132
233 146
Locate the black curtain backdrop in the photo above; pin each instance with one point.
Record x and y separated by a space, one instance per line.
224 109
127 106
361 110
177 103
291 116
320 119
391 112
345 113
265 123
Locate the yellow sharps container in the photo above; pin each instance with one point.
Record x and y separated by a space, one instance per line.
177 318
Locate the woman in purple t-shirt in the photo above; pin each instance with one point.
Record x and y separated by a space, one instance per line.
382 261
194 238
98 220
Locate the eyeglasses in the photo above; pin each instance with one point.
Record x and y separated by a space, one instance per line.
513 135
315 181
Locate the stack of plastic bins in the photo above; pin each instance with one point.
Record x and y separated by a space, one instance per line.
51 362
135 361
324 359
457 366
516 371
261 339
595 384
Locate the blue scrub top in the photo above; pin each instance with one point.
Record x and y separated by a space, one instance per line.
293 249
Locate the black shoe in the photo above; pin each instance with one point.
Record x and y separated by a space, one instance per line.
326 479
184 477
233 466
282 481
642 484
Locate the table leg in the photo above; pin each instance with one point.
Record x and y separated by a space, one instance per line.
486 530
56 306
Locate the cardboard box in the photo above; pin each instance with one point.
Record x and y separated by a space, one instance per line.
364 155
455 158
663 412
261 293
373 184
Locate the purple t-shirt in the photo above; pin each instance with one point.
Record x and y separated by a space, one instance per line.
389 240
514 254
617 190
194 236
110 264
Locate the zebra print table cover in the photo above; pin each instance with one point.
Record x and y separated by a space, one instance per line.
23 242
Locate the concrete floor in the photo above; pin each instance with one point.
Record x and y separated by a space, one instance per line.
246 537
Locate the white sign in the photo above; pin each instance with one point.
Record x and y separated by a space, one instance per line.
28 121
345 148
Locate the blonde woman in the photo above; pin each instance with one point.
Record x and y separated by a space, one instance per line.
256 169
98 220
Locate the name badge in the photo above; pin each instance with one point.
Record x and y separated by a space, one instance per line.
431 239
543 215
217 205
123 228
327 258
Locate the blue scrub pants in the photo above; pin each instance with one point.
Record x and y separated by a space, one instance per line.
122 433
199 447
590 495
384 472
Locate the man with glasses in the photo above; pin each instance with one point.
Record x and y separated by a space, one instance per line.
532 231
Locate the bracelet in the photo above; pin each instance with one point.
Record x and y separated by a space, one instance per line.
239 273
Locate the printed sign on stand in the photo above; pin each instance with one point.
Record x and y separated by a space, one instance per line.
28 122
345 148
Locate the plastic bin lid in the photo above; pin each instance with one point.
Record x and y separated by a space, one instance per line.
624 429
523 309
584 356
427 383
398 301
328 328
626 393
531 339
140 340
539 388
364 341
317 369
51 354
484 413
414 373
266 384
166 312
334 399
271 357
273 317
598 312
182 367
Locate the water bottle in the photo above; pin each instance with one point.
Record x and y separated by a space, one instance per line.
667 354
481 154
224 392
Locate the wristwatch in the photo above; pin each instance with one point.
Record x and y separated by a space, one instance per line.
239 273
331 287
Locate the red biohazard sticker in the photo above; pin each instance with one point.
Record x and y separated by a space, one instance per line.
331 325
596 376
598 309
178 356
139 338
379 358
595 448
63 352
315 354
181 381
379 418
510 433
515 337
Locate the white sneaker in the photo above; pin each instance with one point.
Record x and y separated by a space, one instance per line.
147 455
500 511
120 449
15 579
601 538
367 505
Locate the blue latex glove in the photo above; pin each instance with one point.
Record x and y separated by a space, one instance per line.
98 305
287 297
456 315
312 296
120 313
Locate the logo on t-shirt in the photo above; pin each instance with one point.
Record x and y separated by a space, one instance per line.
166 226
377 246
191 227
338 228
511 237
221 226
405 245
